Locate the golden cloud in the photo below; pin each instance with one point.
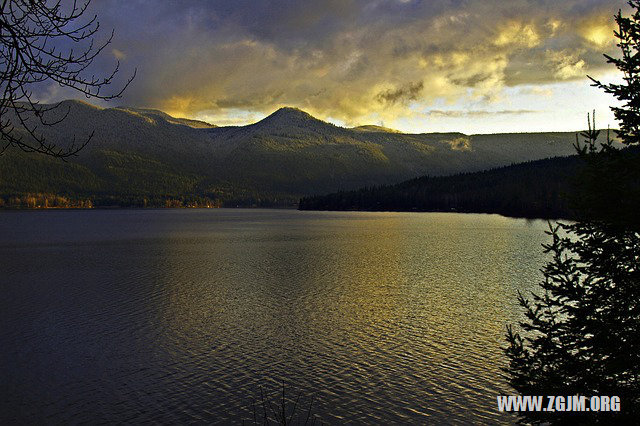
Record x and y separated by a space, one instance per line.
517 34
118 54
566 64
597 30
370 61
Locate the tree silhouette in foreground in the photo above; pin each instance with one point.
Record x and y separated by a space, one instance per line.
44 41
581 335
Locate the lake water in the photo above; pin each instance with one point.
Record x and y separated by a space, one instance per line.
183 316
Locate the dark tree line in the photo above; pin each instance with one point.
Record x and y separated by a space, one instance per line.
535 189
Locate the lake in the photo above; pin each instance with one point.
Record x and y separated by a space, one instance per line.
184 316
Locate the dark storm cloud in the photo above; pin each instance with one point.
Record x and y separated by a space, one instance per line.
347 58
408 92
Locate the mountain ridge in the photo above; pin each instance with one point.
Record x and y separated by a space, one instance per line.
137 152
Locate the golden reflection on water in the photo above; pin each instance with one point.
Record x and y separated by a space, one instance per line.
180 316
386 305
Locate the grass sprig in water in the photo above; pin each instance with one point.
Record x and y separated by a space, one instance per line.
277 413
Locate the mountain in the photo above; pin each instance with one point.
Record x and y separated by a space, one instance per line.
157 114
373 128
139 153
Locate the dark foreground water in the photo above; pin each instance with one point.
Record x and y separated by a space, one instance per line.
182 316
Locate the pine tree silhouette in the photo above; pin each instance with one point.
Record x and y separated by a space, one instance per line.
581 335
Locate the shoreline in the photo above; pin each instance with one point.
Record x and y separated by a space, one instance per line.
115 207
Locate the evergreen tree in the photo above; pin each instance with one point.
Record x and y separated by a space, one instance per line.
581 335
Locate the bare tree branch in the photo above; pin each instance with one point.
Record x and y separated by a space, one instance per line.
31 35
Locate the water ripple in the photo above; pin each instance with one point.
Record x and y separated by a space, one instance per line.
175 316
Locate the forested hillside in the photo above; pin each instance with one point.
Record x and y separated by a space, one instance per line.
142 157
536 189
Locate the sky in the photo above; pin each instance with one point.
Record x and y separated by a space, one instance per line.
471 66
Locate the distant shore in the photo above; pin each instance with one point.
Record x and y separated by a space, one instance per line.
133 207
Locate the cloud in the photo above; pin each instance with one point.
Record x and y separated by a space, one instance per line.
596 29
518 34
537 91
477 113
405 93
350 59
565 64
118 54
